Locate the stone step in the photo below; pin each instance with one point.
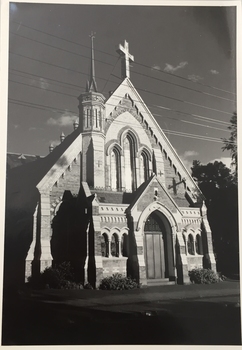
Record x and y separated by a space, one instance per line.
159 282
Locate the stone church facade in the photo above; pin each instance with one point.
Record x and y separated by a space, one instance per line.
113 197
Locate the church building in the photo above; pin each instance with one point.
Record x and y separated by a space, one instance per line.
112 197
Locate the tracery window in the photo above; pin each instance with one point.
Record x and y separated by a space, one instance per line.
114 245
104 245
190 245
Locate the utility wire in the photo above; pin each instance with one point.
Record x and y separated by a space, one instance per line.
195 116
154 114
138 63
57 110
143 90
144 75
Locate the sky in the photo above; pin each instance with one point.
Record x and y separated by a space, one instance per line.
184 69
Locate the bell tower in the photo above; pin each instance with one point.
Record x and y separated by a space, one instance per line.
91 122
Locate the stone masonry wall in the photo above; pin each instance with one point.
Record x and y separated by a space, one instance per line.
69 181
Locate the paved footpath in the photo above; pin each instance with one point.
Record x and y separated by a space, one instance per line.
191 314
227 291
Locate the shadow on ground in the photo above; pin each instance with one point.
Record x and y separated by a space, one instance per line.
52 321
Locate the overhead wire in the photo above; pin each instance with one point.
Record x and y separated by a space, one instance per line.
57 110
140 89
138 63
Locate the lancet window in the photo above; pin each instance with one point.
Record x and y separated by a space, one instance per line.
104 245
190 245
115 169
129 162
114 245
198 244
144 167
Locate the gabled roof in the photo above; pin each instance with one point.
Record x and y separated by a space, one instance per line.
144 187
113 197
32 171
127 88
17 159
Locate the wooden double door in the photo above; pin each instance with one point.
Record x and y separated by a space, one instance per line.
155 248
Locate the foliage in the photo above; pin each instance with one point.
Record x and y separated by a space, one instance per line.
220 190
59 277
118 282
88 286
230 144
203 276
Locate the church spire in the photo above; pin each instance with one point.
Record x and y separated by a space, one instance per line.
91 84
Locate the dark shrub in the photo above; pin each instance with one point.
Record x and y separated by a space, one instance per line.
118 282
203 276
59 277
88 286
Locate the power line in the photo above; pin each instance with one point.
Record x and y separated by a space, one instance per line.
142 74
138 63
61 93
143 90
57 110
43 77
37 87
61 49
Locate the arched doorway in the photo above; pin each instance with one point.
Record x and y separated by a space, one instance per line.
156 252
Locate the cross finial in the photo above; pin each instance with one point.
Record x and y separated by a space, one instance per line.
126 57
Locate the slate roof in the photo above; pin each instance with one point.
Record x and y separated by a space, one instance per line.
113 197
17 159
33 169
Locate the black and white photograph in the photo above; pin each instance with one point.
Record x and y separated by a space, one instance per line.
121 177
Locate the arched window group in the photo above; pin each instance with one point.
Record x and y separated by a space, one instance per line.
193 246
114 247
134 169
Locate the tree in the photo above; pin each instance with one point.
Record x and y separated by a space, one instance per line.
216 182
230 144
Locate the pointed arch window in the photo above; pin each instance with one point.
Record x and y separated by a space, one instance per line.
104 245
144 167
190 245
129 162
184 239
198 244
124 245
115 169
114 245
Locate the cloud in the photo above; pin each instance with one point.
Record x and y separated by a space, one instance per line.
225 160
54 142
66 119
214 71
194 78
188 154
155 67
41 83
187 159
16 126
171 69
32 128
